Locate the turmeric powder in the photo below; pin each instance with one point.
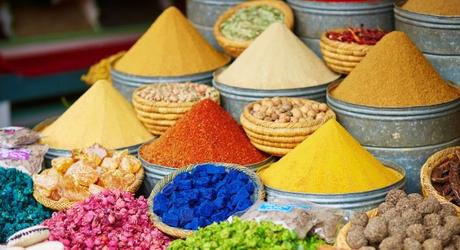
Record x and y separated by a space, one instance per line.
330 161
101 115
171 47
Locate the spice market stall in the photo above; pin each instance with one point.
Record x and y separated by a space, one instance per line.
175 170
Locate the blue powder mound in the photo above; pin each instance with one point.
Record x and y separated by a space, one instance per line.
209 193
18 208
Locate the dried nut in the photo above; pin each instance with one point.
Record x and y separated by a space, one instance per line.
276 101
315 107
304 109
323 107
281 110
311 114
320 116
296 113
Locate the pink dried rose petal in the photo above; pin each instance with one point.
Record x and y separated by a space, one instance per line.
107 220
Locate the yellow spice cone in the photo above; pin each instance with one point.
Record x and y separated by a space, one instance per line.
330 161
171 47
101 115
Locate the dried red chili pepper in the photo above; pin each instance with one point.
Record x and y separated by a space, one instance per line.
360 35
205 134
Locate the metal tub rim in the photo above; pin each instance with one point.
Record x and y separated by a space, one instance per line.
338 8
423 18
407 113
350 197
148 165
136 80
424 147
217 2
261 93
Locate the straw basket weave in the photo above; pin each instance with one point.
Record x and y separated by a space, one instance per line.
342 57
427 168
279 138
259 194
341 241
157 117
65 204
235 48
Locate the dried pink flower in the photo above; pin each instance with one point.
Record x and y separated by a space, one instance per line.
107 220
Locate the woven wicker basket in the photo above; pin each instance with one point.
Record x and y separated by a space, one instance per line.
259 194
342 57
425 174
279 138
343 48
157 117
341 241
65 204
166 107
275 151
235 48
340 69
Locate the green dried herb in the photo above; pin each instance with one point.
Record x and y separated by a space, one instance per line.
246 235
248 23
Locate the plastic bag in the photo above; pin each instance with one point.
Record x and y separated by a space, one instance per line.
13 137
300 216
293 217
28 159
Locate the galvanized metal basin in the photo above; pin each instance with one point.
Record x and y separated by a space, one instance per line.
406 136
436 36
411 158
126 83
234 99
204 13
363 201
313 18
154 173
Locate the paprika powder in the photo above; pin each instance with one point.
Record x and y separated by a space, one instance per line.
204 134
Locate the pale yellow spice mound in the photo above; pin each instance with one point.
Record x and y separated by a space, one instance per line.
330 161
277 59
101 115
434 7
395 74
171 47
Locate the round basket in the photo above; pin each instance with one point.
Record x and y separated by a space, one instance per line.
259 194
425 174
157 117
342 57
348 49
279 138
235 48
65 204
341 241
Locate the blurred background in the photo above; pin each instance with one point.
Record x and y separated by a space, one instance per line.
46 45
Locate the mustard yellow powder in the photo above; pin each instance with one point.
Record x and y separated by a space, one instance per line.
171 47
101 115
330 161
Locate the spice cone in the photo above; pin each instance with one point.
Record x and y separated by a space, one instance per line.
101 115
395 74
171 47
